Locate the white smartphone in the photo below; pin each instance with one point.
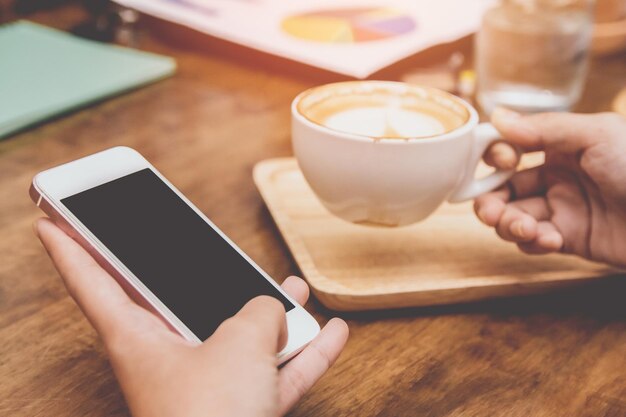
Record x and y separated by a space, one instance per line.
167 255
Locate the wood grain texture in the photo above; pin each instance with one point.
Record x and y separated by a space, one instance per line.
448 258
562 354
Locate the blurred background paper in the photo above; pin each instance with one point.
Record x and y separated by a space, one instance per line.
44 72
351 37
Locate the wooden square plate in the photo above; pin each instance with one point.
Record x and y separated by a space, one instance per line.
448 258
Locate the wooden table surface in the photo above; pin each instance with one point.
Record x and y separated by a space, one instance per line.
560 354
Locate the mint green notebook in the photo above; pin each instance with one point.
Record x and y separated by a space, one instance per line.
44 72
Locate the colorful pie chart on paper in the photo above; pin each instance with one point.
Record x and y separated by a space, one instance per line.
349 25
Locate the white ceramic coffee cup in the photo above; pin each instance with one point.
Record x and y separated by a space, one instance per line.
392 182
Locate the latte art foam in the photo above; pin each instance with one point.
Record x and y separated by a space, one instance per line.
383 110
385 122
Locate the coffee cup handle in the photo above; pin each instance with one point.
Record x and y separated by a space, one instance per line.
469 188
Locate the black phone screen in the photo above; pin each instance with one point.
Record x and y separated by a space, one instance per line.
198 275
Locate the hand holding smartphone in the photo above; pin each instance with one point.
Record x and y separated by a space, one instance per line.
232 373
158 246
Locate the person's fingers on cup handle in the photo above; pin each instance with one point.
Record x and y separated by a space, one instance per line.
516 226
489 207
537 207
296 288
502 155
549 240
564 132
105 304
303 371
530 182
261 322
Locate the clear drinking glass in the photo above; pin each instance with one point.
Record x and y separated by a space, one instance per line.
532 55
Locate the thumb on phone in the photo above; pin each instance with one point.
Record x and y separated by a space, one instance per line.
261 322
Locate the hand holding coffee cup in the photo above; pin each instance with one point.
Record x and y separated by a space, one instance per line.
389 153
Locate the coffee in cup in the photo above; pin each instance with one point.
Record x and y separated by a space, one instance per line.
377 111
389 153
